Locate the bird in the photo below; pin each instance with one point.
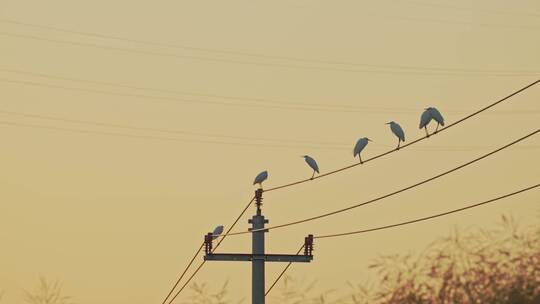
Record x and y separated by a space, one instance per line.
360 145
436 115
398 131
217 232
425 119
261 177
312 163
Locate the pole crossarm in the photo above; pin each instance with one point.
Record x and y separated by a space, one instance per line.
246 257
258 257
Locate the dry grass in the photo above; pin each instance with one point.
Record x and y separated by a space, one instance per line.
47 293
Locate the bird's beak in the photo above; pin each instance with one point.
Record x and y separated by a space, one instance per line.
387 123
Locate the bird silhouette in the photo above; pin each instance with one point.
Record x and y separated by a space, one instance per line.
398 131
360 145
429 114
217 232
424 120
261 177
312 163
436 115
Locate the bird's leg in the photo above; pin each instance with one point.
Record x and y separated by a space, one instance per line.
427 134
436 129
360 157
313 175
398 143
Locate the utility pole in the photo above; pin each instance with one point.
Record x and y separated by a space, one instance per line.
258 256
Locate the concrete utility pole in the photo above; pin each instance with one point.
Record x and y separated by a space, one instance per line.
258 256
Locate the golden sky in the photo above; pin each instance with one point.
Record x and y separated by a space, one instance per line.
115 213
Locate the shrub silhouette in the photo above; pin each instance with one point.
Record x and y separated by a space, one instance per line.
500 266
47 293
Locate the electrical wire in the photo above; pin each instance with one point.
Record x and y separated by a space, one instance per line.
183 273
165 98
244 144
427 217
347 108
253 63
404 223
231 52
182 132
282 273
320 145
406 145
173 139
216 247
469 9
394 192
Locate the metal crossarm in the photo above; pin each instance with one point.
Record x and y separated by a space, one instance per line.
258 257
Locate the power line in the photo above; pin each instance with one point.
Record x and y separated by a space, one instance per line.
265 56
405 223
183 273
394 192
459 8
262 64
174 139
282 272
406 145
280 105
137 128
257 99
259 145
446 21
204 261
324 106
192 101
321 145
340 107
427 217
347 108
175 99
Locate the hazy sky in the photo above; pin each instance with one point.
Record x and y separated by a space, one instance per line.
116 213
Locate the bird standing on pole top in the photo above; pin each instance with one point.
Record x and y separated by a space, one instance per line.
217 232
360 145
261 177
398 131
312 163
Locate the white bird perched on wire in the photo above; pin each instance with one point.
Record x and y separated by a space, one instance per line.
398 131
437 116
217 232
261 177
360 145
424 120
429 114
312 163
